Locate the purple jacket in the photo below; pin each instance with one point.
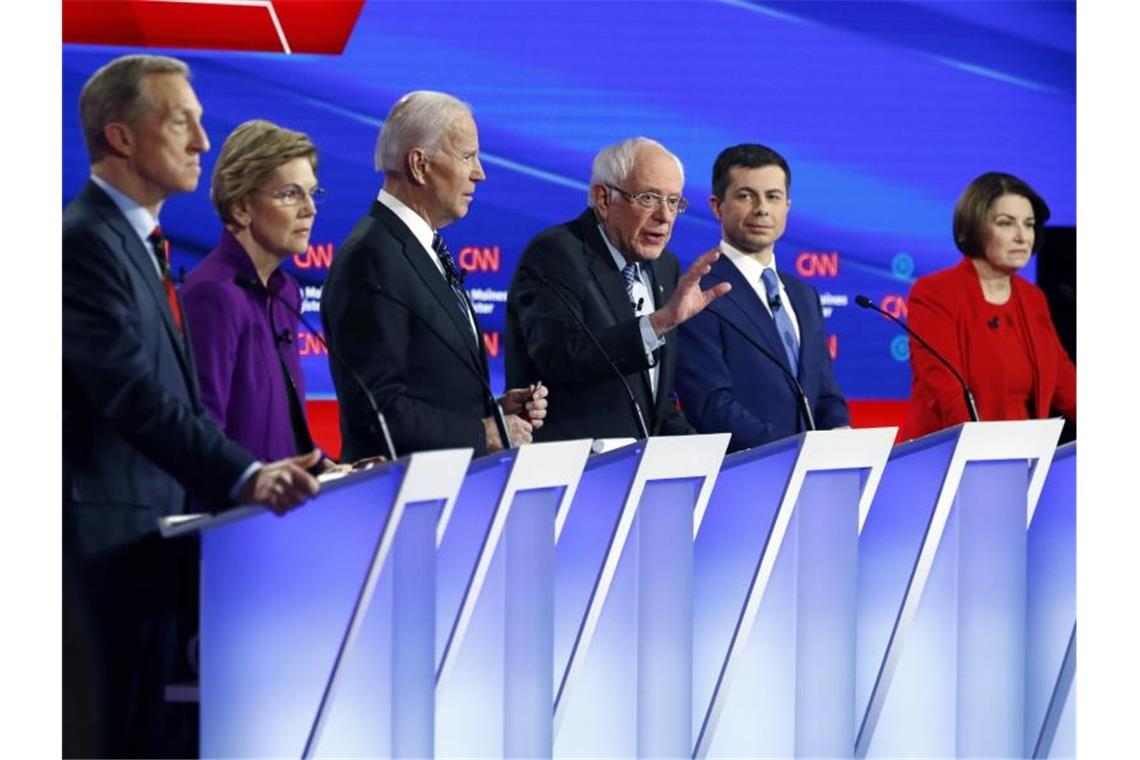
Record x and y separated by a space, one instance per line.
240 375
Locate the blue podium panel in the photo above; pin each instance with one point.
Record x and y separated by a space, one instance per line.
726 555
951 681
582 535
774 596
382 705
889 547
627 686
494 684
276 594
1065 737
317 628
460 535
628 693
1051 611
990 601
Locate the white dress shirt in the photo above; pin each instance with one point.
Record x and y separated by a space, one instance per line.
138 216
753 271
423 233
643 304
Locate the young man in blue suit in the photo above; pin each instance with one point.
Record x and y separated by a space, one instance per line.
725 383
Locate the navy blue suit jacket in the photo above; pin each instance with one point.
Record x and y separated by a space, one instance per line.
136 438
726 385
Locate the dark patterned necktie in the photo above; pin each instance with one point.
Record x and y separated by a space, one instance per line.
160 246
783 320
451 273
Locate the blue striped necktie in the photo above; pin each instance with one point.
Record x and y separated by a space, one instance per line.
783 321
629 276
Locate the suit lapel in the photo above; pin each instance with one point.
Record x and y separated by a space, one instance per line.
1044 373
662 288
603 270
435 283
746 303
143 262
607 277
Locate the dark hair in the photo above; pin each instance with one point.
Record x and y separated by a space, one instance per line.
751 156
974 205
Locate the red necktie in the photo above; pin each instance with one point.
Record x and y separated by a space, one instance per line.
161 248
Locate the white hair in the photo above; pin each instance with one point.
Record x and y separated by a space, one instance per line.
614 163
418 120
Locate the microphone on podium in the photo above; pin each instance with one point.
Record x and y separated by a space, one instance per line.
864 302
805 405
638 417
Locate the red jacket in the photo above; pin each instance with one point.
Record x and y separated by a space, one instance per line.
946 308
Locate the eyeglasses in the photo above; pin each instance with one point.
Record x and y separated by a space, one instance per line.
652 201
294 195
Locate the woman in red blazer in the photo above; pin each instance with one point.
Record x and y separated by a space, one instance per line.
990 323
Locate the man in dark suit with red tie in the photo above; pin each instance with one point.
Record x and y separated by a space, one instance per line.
725 383
137 443
394 308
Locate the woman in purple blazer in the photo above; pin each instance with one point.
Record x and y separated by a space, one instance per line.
243 334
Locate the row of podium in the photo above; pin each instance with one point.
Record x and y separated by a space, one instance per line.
825 596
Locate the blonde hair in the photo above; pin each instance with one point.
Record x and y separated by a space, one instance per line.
249 157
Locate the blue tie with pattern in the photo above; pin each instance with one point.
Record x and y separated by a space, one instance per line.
628 276
783 321
450 271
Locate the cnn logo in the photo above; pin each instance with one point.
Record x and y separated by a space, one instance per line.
476 258
817 264
895 305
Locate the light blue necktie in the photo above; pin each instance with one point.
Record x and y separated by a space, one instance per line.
783 321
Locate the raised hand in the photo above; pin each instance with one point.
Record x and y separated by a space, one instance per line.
688 300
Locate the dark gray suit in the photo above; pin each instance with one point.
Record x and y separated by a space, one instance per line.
544 341
136 442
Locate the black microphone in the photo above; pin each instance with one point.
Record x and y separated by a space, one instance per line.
284 338
971 407
496 410
254 286
545 282
805 406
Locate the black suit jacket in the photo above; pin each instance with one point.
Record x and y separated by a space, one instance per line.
545 342
136 439
389 314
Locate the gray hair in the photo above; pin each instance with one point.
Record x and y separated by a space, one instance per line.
614 163
418 120
115 93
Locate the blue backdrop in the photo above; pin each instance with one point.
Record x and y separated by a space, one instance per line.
885 111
